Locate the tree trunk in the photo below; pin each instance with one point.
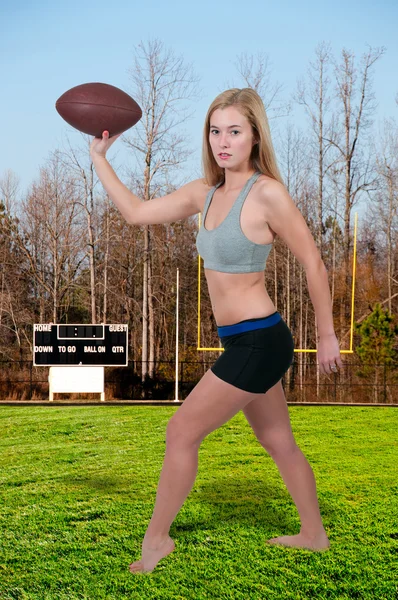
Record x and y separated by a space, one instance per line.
144 358
151 322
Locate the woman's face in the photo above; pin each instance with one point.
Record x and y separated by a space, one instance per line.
231 137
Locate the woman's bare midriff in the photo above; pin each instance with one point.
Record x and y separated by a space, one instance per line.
238 296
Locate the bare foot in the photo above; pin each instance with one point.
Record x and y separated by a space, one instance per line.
151 555
300 540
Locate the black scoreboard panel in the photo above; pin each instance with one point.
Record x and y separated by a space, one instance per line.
77 344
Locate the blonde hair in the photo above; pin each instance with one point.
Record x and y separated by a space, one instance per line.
262 157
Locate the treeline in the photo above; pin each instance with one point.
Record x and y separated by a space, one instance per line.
67 255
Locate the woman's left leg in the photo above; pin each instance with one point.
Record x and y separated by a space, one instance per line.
268 416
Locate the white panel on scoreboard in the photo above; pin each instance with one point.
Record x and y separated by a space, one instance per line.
76 379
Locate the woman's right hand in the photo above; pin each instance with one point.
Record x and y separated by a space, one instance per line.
99 146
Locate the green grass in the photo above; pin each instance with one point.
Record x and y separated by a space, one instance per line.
78 486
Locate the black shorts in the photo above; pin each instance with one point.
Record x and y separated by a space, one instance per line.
257 353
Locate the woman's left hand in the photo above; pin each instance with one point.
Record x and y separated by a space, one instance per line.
328 354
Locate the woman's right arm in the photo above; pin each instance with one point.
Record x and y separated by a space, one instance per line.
168 209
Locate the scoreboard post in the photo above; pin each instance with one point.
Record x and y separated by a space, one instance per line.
78 346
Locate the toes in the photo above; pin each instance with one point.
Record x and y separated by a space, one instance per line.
138 567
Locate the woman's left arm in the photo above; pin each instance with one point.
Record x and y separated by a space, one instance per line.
285 219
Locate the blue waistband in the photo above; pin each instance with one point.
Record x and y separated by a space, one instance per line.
248 325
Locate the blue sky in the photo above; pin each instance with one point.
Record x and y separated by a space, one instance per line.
48 47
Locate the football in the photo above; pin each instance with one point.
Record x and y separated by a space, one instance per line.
95 107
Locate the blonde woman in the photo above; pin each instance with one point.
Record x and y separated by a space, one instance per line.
244 205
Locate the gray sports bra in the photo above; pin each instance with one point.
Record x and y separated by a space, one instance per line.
226 248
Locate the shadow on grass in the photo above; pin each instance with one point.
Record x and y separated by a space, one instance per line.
251 503
106 484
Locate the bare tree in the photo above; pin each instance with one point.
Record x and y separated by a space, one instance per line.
347 132
316 101
9 189
254 71
9 185
14 287
316 104
75 159
163 86
385 207
50 238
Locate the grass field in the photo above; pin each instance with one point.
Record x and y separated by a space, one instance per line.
78 486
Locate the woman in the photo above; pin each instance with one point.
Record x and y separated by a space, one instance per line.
244 204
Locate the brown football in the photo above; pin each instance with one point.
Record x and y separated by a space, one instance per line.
96 107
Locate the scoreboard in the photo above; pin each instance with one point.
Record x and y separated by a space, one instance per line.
99 345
